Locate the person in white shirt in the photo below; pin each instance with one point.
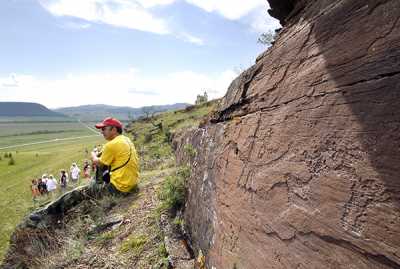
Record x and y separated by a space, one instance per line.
51 185
74 173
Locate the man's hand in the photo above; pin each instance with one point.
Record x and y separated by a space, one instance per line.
95 159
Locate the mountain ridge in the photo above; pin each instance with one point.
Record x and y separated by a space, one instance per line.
26 109
100 111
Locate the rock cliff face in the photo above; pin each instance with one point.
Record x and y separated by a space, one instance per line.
300 165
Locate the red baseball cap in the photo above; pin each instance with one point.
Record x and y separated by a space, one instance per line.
109 122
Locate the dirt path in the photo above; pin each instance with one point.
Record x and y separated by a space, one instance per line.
88 127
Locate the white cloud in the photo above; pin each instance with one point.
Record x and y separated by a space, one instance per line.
75 25
261 21
127 88
153 3
9 82
230 9
191 39
252 12
16 81
121 13
138 14
132 14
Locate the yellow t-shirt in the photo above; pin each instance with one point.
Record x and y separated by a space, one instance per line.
116 153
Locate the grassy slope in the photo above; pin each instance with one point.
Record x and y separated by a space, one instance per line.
138 242
32 162
157 148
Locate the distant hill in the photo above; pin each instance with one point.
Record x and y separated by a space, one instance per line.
123 113
15 111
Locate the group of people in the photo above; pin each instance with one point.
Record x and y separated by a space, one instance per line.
116 165
47 184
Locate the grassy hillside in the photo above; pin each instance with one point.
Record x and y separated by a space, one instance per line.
160 179
31 162
151 135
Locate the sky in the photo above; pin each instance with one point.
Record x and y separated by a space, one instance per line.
63 53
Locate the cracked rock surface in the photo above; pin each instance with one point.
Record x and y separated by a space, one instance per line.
299 167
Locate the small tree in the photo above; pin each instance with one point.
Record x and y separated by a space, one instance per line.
147 112
267 38
11 161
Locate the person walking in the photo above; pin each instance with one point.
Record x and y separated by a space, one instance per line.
63 180
34 190
86 169
51 186
74 170
43 185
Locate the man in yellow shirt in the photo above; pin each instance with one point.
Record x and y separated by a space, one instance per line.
120 155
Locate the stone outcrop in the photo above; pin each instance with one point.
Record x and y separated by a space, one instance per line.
35 234
299 166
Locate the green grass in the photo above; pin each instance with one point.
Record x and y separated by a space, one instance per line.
134 244
106 237
156 152
31 162
31 119
153 144
12 128
22 133
173 193
190 150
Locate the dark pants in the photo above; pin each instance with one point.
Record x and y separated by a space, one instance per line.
100 189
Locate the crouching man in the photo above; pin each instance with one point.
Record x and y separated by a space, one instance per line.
118 159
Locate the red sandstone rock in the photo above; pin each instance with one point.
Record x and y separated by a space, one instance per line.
299 167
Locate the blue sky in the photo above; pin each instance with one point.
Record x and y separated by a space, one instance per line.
126 52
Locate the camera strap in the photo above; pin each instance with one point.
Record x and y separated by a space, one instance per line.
130 154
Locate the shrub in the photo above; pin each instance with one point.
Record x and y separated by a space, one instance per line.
134 244
172 193
162 251
173 190
6 155
168 135
267 38
184 171
148 137
11 161
179 222
163 255
190 150
75 249
105 238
